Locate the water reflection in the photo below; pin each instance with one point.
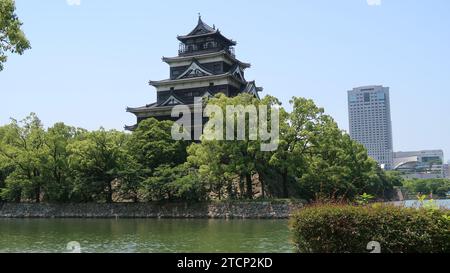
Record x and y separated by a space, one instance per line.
138 235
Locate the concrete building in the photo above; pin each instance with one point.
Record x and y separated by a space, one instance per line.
370 122
421 164
446 170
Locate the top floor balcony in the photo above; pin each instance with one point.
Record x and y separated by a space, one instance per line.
202 48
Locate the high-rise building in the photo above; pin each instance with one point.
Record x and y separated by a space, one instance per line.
370 122
446 170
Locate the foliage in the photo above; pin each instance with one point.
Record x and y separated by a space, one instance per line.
58 175
152 154
342 228
314 160
228 166
12 39
299 131
338 167
152 145
439 187
67 164
364 199
23 147
97 160
174 184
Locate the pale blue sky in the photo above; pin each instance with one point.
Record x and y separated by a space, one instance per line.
90 61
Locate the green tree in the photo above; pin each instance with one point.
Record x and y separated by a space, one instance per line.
23 146
97 161
237 157
6 166
438 186
130 177
211 159
297 130
152 145
187 185
314 158
12 39
229 166
179 183
385 183
394 178
58 176
317 159
338 167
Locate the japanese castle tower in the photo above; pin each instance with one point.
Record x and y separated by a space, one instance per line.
205 65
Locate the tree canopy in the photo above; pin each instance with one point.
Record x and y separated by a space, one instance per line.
437 186
313 159
12 38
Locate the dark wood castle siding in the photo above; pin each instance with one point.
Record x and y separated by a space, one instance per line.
202 48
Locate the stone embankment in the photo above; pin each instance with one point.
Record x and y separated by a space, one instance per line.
213 210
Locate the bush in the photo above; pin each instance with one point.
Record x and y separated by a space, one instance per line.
349 229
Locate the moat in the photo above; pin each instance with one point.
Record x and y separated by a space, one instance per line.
146 236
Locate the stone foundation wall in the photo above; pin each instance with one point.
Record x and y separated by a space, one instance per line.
224 210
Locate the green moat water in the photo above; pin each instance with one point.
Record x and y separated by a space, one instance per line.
145 235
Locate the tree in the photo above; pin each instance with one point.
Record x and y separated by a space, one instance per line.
297 130
23 146
12 39
97 159
316 159
384 186
229 166
56 170
338 167
187 185
130 177
6 166
152 145
211 159
175 183
438 186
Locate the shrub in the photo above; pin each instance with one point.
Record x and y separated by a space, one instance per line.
344 228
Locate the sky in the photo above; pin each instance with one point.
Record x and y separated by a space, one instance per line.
90 59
